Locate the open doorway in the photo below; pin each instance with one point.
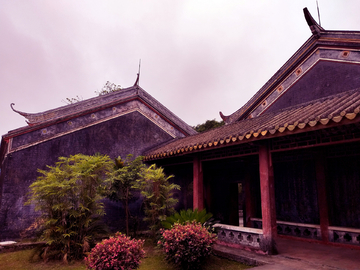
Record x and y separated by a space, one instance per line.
237 204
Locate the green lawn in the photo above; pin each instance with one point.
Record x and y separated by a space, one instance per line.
19 260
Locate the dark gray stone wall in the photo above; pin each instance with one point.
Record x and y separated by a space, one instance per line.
128 134
324 79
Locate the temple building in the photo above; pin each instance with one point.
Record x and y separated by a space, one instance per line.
127 121
286 164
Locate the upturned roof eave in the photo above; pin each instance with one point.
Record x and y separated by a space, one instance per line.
330 39
75 108
282 73
106 101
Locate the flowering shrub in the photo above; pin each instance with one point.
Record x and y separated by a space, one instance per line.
118 253
187 245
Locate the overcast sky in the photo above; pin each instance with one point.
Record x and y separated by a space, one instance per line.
197 57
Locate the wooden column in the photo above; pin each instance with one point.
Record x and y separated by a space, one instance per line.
321 193
198 186
267 200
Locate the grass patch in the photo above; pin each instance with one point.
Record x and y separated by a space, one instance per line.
19 260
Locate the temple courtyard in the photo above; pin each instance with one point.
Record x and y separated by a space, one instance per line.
297 254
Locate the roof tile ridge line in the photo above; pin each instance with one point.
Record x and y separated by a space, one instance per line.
313 115
339 98
326 103
280 118
74 105
342 101
233 115
63 118
57 135
89 100
350 108
341 32
265 96
147 97
88 110
166 119
354 105
318 99
316 107
279 115
175 149
286 67
308 112
249 127
265 123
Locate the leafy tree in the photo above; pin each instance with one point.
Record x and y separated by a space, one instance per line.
158 195
125 174
68 196
209 124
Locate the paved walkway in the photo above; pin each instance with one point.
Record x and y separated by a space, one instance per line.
298 255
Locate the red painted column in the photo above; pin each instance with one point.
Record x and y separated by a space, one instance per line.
267 200
198 186
322 200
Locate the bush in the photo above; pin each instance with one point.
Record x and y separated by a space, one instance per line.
187 245
186 216
119 252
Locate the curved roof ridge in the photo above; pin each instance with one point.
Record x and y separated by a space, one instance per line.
319 37
69 109
103 101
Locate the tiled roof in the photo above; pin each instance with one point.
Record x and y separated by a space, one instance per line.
321 38
319 113
100 102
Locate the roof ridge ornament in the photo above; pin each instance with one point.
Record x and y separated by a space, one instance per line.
26 115
225 118
19 112
138 75
315 28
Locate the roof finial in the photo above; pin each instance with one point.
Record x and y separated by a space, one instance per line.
315 28
138 75
317 4
224 117
26 115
